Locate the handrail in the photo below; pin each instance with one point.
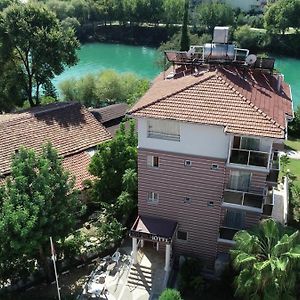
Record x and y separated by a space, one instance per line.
243 194
249 153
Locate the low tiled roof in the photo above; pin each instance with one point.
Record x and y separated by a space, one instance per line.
244 102
109 113
70 128
77 165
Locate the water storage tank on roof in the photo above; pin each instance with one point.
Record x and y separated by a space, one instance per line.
219 52
221 34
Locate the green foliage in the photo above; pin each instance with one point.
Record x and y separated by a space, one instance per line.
190 276
33 37
110 230
294 126
71 246
266 259
250 39
38 201
213 14
115 166
173 9
170 294
185 40
105 88
281 15
284 161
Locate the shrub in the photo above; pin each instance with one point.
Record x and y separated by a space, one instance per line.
170 294
190 275
294 126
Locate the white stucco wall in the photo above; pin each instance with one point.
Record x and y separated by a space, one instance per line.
209 141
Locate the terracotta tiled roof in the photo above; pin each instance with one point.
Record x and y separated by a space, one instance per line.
109 113
246 103
77 165
70 128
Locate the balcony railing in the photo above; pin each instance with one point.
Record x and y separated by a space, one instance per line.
274 169
226 233
248 200
249 157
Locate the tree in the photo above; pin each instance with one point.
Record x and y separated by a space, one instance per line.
281 15
170 294
185 40
110 165
214 14
36 41
266 259
172 11
38 201
294 126
250 39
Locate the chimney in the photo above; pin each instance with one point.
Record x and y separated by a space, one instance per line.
279 82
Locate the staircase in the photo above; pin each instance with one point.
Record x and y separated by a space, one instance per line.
140 277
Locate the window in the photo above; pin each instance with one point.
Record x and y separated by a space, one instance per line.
187 200
239 180
214 167
153 197
164 129
153 161
234 219
246 143
188 163
250 143
182 235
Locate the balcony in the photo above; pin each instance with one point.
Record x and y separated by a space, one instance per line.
249 157
273 175
227 234
249 201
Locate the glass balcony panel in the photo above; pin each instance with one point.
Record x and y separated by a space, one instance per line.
239 157
258 159
227 233
253 200
233 197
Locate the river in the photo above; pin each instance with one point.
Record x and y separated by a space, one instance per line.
140 60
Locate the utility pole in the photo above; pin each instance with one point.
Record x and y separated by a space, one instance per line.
54 265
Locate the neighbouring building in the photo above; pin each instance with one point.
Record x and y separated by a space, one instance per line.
208 132
245 5
110 116
69 126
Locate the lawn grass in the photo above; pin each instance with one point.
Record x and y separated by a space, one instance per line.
294 167
292 144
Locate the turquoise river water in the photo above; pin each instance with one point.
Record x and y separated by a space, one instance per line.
97 57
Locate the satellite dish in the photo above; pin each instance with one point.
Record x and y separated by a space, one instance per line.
191 52
251 59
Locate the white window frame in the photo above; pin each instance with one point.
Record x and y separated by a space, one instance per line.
151 160
188 163
153 197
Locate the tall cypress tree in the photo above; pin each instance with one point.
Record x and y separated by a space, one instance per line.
185 39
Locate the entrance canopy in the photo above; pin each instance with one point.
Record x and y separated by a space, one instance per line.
154 229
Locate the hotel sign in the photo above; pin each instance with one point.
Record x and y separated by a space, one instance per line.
150 236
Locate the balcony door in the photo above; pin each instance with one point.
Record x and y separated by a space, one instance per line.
239 181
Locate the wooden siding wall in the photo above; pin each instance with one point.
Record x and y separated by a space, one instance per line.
174 181
258 181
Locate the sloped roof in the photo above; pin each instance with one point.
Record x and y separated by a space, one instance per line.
70 128
242 101
110 112
77 165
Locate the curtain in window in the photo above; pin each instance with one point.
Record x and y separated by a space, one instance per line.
234 219
239 180
164 127
250 143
